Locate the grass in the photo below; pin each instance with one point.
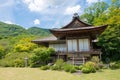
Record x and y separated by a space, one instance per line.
36 74
103 75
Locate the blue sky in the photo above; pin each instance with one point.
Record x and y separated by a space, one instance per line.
42 13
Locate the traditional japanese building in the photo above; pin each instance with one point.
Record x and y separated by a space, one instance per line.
75 42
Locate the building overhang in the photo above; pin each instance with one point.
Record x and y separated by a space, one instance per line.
92 31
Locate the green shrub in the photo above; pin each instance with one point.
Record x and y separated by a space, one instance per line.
58 64
4 63
54 67
88 70
69 68
89 67
85 70
80 67
45 67
114 65
76 67
72 70
101 65
118 63
19 63
95 59
41 56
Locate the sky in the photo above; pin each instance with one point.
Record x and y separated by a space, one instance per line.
42 13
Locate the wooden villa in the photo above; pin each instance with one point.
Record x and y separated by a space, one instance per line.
75 42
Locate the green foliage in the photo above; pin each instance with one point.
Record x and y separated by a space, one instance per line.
114 65
93 12
45 67
1 52
54 67
89 67
77 67
19 63
95 59
38 31
80 67
110 39
61 65
41 56
10 30
14 59
24 45
85 70
58 65
69 68
100 14
51 51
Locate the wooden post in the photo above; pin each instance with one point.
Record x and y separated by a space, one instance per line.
83 60
73 60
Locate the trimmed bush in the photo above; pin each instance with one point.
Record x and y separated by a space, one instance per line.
58 65
19 63
89 67
113 65
54 67
80 67
85 70
76 67
95 59
118 63
45 67
69 68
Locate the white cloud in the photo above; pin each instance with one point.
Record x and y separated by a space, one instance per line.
36 21
71 10
9 22
36 5
49 6
92 1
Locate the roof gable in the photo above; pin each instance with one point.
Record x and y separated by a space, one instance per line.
76 23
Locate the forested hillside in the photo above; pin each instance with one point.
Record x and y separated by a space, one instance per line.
38 31
12 30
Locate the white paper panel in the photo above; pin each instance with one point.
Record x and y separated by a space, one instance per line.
58 47
69 45
86 45
74 45
81 46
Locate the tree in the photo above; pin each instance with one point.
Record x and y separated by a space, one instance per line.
41 56
109 40
93 12
24 45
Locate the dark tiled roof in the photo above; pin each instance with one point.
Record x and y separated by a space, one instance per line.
81 28
50 38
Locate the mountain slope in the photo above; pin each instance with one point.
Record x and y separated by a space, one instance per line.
38 31
8 30
12 30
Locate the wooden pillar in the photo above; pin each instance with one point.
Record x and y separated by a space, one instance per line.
73 60
83 60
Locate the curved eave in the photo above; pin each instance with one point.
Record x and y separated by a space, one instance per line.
61 32
74 19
